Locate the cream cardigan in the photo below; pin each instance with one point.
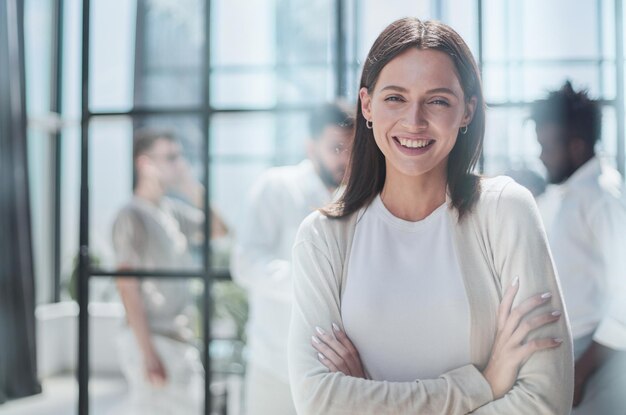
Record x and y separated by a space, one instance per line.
501 238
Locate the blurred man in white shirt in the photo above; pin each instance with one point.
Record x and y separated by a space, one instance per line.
585 219
280 199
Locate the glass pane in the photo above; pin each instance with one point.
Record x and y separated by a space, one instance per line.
495 83
537 79
608 81
169 54
110 174
528 82
243 89
541 30
463 18
255 44
299 41
230 183
159 225
120 369
112 41
296 84
40 165
38 31
510 141
71 74
607 10
152 57
496 30
70 206
376 15
293 131
249 134
306 85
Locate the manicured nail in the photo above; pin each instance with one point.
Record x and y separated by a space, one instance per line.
320 331
336 327
556 313
545 296
321 356
316 340
558 340
515 281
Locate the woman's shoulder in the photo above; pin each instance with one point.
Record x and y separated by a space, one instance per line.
319 228
502 188
502 196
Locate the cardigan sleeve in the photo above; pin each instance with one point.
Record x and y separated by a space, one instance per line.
545 383
317 391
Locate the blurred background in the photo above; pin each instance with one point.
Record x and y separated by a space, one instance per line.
235 80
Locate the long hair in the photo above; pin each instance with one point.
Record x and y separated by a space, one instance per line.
366 171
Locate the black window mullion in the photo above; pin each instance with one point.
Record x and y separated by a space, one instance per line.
83 255
56 107
208 273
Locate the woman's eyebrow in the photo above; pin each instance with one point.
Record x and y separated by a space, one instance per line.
440 90
394 88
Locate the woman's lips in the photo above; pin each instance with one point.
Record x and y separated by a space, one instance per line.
412 146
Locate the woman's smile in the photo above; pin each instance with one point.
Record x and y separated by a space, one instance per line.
413 146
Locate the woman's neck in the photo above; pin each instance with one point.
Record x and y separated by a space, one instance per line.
413 198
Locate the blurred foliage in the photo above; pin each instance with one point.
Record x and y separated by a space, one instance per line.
231 302
71 285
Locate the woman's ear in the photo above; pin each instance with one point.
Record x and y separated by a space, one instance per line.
366 103
470 108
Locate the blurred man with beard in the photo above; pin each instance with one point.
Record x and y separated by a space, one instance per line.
585 220
261 261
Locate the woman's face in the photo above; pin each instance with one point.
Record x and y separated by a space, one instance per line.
417 107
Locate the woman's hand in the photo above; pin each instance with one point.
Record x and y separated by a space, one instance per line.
509 351
337 352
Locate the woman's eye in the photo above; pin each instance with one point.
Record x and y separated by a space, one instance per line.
440 102
394 98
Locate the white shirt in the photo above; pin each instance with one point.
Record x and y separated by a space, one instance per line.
405 307
586 226
261 260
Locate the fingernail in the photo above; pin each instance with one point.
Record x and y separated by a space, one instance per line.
320 331
556 313
321 356
336 327
545 296
316 340
515 281
558 340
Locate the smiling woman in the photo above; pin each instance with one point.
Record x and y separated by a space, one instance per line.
426 288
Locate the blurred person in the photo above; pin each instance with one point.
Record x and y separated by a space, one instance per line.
280 199
586 226
426 289
156 232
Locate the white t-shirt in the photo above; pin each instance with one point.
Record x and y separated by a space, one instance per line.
405 307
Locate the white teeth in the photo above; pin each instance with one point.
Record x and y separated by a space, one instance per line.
413 143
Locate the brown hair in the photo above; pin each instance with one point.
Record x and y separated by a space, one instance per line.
143 141
366 170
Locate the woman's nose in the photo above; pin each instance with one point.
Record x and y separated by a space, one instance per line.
415 117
